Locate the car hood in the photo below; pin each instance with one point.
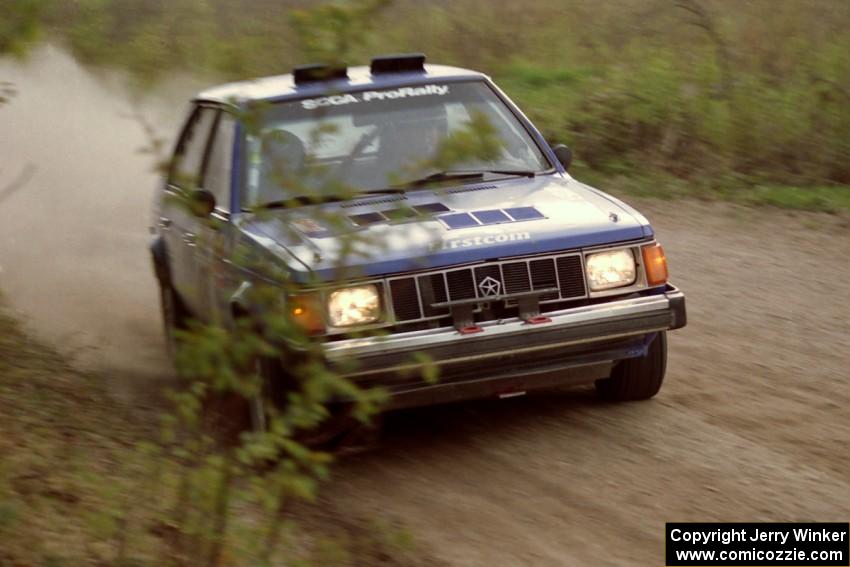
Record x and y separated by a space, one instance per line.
569 215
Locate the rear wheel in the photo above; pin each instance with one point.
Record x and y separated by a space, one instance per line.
637 378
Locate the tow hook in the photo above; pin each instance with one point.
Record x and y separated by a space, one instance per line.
470 330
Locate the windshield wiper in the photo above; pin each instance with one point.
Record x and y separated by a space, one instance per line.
466 174
398 189
388 191
442 176
303 200
297 202
515 172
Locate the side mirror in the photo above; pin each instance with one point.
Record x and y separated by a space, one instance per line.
564 155
201 203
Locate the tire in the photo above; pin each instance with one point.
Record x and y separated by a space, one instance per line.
275 385
228 414
637 378
175 316
339 430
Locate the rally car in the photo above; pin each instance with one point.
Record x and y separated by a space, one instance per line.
509 274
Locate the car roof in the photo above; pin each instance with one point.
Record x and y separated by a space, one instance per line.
282 87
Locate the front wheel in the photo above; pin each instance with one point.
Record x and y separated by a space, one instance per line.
637 378
175 316
339 428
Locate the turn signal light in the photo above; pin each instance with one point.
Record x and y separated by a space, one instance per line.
656 264
306 312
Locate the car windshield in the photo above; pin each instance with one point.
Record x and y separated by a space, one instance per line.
384 138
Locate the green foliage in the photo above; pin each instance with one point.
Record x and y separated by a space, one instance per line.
8 515
336 32
86 481
478 140
190 487
19 25
692 88
829 199
701 104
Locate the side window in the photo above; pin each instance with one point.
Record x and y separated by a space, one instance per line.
217 175
186 169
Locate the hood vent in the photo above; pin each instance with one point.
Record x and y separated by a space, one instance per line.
459 220
490 217
452 220
525 213
431 208
493 216
368 203
366 219
399 214
469 188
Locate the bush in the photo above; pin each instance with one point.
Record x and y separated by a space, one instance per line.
691 87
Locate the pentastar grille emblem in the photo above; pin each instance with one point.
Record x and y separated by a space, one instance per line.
489 287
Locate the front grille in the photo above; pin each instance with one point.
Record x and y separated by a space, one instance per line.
432 289
516 277
413 296
405 299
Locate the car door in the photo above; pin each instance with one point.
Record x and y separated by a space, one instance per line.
181 227
215 237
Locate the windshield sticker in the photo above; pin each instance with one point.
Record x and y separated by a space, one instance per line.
368 96
487 240
308 226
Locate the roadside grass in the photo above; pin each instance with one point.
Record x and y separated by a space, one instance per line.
833 199
746 103
84 482
60 441
829 199
693 89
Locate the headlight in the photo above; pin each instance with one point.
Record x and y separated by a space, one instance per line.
606 270
354 306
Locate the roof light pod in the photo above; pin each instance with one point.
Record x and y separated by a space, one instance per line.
305 74
398 63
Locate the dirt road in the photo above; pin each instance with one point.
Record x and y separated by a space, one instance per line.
753 422
73 238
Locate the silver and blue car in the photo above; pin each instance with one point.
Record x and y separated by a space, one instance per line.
474 246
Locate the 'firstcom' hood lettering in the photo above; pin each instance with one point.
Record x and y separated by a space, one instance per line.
485 240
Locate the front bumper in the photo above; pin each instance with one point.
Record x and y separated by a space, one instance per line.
577 345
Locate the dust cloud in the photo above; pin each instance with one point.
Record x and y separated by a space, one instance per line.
74 263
